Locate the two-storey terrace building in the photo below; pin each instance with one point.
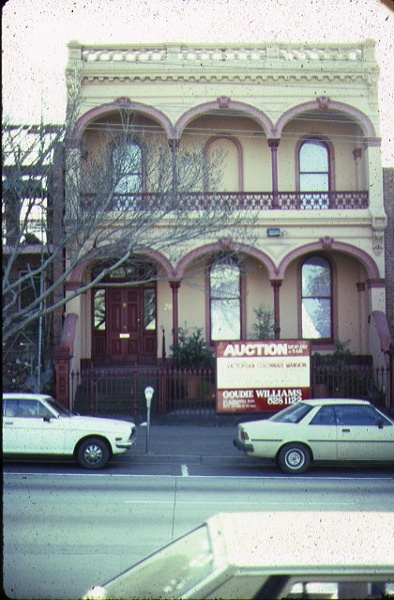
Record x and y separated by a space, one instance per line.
298 127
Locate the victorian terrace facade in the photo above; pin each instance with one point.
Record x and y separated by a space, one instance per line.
297 129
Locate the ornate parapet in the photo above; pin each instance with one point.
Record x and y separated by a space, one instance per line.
212 62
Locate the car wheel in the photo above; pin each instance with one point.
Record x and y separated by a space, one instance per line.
93 453
294 458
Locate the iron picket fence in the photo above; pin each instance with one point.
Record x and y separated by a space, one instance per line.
120 391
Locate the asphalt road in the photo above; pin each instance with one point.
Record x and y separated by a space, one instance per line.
66 529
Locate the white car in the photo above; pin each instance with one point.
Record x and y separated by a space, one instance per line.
268 555
38 424
320 430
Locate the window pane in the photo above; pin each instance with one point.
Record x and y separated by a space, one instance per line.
149 309
314 182
225 322
316 277
325 416
356 415
225 281
129 184
225 300
316 318
99 310
127 168
314 157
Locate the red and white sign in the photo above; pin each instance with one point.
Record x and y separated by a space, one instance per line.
261 376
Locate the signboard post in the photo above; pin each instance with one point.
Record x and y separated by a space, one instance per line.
262 376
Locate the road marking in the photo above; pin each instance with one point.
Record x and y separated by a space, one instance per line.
185 471
256 502
386 479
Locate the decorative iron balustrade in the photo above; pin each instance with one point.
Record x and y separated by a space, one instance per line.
242 201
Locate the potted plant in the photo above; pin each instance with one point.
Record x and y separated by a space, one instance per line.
192 353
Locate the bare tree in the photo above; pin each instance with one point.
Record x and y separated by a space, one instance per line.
129 191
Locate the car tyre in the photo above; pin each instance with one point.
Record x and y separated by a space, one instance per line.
93 453
294 458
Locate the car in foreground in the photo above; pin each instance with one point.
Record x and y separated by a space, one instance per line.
320 430
36 424
268 555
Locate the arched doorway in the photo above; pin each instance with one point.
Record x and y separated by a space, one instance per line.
124 324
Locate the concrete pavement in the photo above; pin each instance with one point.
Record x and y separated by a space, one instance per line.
206 442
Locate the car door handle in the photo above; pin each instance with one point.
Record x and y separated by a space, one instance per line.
346 430
8 422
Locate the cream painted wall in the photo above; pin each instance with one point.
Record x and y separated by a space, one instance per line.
289 303
348 274
192 298
258 291
164 315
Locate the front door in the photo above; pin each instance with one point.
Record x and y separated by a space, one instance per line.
129 332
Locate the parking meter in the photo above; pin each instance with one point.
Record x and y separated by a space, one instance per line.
149 391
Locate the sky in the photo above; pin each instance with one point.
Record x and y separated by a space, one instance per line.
35 34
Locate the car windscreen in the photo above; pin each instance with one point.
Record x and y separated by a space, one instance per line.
293 414
58 407
168 573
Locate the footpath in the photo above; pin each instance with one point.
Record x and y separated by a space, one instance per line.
211 440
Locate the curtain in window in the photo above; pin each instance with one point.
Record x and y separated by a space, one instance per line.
127 170
314 173
316 299
225 300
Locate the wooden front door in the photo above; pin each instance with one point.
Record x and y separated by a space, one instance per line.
130 325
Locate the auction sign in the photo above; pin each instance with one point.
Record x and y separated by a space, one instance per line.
262 376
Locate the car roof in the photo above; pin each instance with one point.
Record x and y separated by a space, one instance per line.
24 396
324 401
302 539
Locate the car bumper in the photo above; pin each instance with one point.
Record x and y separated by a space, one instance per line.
243 446
126 444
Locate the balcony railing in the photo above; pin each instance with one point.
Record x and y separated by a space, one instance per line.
244 201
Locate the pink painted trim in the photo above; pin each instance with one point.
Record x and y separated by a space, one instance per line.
366 260
68 334
218 247
376 283
239 148
382 327
246 109
357 115
76 274
105 109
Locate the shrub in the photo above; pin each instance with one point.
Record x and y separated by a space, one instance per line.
192 352
264 327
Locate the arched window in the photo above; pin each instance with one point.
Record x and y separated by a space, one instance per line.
127 167
225 299
316 301
314 173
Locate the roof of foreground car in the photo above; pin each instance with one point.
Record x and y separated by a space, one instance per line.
25 396
322 401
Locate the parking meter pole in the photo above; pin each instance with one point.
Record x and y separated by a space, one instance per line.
147 428
148 397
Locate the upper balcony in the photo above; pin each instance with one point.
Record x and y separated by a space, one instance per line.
241 201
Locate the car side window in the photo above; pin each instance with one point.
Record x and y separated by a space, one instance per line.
325 416
10 408
27 409
357 415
